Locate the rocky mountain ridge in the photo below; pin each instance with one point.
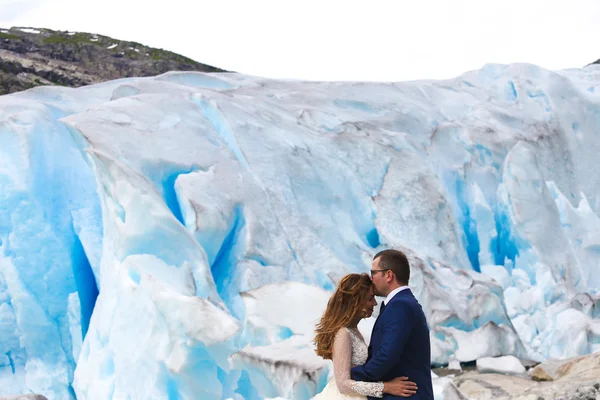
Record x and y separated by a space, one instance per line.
32 57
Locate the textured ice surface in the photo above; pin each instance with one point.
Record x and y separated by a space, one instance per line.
178 236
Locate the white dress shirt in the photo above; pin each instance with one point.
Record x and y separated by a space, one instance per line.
393 293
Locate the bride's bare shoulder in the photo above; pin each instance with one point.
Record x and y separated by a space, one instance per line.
342 333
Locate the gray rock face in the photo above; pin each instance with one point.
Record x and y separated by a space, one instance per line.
29 59
24 397
576 378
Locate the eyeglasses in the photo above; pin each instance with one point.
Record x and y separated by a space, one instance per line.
374 271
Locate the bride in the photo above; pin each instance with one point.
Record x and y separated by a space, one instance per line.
338 339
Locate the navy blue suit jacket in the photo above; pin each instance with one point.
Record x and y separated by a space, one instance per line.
399 347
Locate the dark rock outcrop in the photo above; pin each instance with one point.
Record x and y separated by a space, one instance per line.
33 57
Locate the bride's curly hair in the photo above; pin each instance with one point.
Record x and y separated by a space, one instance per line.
344 306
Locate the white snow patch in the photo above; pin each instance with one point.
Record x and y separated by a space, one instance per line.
266 313
454 365
29 30
504 364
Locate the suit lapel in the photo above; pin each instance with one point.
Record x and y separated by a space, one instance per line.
399 295
404 293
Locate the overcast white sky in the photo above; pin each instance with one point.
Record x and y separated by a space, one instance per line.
337 40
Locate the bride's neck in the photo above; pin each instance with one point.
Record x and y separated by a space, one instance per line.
353 324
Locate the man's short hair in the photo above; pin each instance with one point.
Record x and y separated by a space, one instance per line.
395 261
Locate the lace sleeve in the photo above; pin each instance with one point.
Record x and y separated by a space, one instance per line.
342 358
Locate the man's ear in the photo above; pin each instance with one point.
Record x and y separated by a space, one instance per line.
389 276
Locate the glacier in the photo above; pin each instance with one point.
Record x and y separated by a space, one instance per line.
177 237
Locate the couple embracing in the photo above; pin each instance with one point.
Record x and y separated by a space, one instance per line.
396 364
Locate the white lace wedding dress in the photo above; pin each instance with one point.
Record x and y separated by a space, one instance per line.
349 349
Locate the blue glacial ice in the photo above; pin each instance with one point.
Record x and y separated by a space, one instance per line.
177 237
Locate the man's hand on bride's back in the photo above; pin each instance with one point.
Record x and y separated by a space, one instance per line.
400 387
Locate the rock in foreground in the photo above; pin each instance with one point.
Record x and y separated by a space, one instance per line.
571 379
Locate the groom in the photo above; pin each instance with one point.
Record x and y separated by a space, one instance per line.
400 340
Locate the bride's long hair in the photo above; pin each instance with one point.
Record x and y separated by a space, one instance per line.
344 306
